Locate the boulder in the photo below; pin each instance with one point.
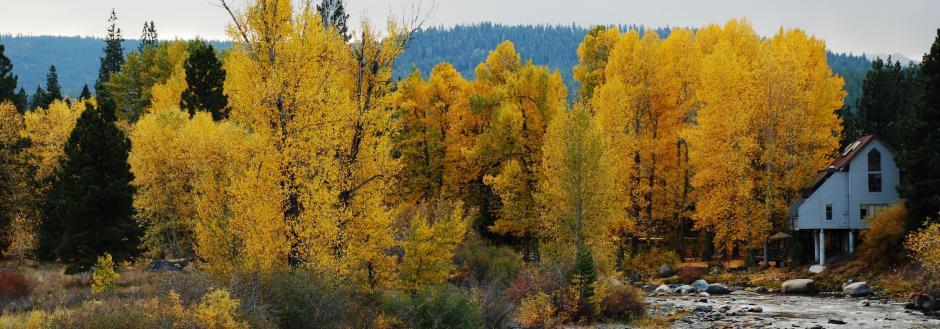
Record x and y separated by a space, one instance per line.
702 309
864 303
718 289
761 290
663 289
754 309
703 294
162 265
684 289
648 288
665 271
857 289
924 303
634 278
815 269
736 312
700 285
799 286
836 321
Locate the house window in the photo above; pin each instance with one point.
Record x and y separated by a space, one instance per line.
828 212
874 182
874 171
870 210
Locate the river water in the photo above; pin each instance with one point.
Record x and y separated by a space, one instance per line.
748 310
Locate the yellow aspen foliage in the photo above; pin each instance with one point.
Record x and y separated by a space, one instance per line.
167 93
435 129
433 234
518 102
316 188
645 98
178 162
593 53
767 122
574 192
48 129
925 246
16 193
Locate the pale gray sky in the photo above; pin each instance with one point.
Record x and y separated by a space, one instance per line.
902 26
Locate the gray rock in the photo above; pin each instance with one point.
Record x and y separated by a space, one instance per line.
718 289
864 303
725 307
634 278
700 285
703 300
704 294
799 286
702 309
847 282
162 265
754 309
663 289
665 271
761 290
735 312
836 321
857 289
684 289
648 288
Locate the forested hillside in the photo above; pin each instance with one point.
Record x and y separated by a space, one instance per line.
464 46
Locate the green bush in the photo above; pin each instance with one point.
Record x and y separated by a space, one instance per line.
436 307
486 263
302 299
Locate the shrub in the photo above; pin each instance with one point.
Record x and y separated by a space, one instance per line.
689 274
528 283
621 302
537 312
14 285
884 236
647 263
301 299
495 305
218 311
103 275
486 263
435 307
924 245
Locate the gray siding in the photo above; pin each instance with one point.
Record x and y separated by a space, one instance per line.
858 178
812 213
846 191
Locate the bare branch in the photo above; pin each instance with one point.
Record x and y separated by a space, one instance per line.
238 25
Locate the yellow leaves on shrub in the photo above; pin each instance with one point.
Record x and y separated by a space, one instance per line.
884 236
103 276
924 245
537 312
430 245
217 310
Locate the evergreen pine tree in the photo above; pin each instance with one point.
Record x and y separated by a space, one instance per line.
21 100
204 79
113 54
148 37
333 14
585 274
7 79
887 98
53 89
86 94
87 211
39 99
920 158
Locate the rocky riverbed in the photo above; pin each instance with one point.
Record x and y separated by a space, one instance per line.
742 309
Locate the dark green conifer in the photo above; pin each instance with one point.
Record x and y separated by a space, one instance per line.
7 79
113 54
204 79
88 209
920 158
53 89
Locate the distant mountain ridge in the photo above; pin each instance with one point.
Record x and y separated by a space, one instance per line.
464 46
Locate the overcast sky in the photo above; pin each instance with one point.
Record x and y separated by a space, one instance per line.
903 26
